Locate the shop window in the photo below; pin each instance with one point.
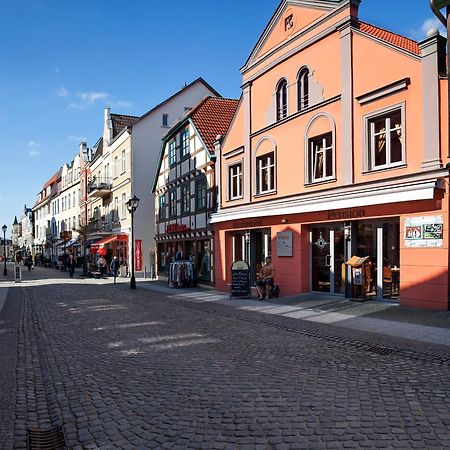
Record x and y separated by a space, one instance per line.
265 173
173 203
386 140
303 89
282 99
200 194
321 158
235 181
184 138
185 199
172 152
162 207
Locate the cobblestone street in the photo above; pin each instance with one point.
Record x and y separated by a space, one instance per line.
141 369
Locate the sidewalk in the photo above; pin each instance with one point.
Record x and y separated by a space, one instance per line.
374 316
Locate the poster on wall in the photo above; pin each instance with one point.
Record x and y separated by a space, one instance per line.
424 231
138 255
284 243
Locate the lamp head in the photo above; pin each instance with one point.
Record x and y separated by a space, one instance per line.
4 228
132 203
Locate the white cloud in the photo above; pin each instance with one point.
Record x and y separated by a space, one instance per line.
34 153
62 91
77 139
92 97
33 144
121 103
432 22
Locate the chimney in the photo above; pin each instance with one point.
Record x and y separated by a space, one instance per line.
107 127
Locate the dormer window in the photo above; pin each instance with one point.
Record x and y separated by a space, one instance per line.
303 89
281 94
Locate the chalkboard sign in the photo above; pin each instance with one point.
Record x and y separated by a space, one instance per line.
240 279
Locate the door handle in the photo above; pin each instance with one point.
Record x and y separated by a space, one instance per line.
328 261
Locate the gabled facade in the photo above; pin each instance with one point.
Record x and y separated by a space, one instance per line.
185 187
338 149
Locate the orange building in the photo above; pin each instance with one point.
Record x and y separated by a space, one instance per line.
339 148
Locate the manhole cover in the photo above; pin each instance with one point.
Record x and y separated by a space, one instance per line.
380 350
49 439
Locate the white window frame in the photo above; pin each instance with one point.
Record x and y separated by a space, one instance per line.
369 138
124 206
124 162
235 172
116 166
172 152
323 150
184 142
303 88
282 107
270 157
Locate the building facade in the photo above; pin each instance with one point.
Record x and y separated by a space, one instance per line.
185 187
339 149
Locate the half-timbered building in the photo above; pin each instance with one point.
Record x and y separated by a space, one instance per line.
185 187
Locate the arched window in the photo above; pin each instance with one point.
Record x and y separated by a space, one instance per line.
303 89
282 107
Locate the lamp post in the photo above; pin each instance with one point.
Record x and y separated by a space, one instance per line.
4 228
436 6
132 205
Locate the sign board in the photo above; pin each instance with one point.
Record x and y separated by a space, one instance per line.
138 255
284 243
424 231
240 279
17 274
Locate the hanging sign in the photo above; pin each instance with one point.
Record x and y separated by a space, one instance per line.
240 279
138 255
424 231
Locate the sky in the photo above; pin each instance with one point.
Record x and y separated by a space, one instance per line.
63 62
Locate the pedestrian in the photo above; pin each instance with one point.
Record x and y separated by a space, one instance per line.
265 280
29 262
71 264
101 265
115 267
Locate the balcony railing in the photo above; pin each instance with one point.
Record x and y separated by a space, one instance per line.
101 225
99 187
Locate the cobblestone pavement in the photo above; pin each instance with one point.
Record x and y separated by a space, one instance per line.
138 369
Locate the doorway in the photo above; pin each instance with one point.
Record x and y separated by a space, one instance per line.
327 259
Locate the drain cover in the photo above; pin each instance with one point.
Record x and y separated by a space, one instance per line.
49 439
380 350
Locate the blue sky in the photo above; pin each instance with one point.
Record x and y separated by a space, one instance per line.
62 62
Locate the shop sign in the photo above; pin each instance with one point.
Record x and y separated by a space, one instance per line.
424 231
17 274
176 228
247 223
346 214
66 235
138 255
284 243
240 279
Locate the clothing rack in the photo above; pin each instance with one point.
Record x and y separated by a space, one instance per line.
181 274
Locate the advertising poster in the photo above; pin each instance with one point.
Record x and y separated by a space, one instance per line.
138 255
424 231
284 243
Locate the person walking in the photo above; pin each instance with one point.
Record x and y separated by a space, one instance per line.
71 264
101 265
114 266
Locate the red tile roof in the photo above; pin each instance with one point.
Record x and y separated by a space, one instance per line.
212 116
121 121
50 182
392 38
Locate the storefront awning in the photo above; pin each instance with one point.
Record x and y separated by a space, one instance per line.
346 198
111 239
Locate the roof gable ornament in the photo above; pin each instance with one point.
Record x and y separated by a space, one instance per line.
290 17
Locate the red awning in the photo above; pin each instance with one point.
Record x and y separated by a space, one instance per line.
110 239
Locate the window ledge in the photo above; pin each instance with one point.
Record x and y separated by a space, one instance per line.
384 169
265 194
240 197
320 182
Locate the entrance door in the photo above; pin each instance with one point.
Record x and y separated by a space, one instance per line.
327 259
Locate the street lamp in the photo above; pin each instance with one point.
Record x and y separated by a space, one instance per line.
132 205
4 228
436 6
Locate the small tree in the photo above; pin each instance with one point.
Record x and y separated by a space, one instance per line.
84 232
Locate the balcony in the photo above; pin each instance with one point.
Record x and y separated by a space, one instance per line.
100 226
99 187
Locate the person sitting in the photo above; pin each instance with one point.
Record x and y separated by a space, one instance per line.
265 279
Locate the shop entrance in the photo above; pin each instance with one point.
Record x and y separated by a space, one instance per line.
328 268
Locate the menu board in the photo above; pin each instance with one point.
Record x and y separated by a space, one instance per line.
424 231
240 279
